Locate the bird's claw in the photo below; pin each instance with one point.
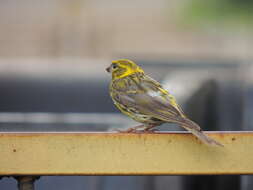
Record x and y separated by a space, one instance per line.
133 130
150 130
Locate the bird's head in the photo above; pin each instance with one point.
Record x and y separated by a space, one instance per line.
122 68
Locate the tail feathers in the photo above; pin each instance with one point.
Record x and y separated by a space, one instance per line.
196 130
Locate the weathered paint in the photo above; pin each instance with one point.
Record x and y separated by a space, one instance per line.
124 154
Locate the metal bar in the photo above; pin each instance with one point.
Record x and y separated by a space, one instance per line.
26 182
124 154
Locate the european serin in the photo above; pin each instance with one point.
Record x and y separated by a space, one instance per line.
144 100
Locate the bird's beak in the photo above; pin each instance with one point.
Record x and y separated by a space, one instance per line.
108 69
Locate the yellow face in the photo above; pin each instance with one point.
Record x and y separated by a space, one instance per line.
122 68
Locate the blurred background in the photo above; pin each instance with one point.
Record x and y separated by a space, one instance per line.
53 55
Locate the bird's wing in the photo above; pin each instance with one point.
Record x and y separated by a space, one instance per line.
151 99
156 107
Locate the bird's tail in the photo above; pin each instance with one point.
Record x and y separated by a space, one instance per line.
196 130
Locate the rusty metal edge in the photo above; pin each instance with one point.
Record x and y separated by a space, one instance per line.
213 133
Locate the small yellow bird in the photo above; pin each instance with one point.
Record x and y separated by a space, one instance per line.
144 100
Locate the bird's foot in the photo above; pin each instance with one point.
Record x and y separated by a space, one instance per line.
150 129
131 130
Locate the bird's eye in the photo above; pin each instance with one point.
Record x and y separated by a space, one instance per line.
114 66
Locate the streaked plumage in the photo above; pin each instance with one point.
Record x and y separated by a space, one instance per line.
144 100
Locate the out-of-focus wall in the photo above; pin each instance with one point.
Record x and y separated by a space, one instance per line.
92 28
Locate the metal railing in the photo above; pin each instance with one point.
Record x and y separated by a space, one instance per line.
29 155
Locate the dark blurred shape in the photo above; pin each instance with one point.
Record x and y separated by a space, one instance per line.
217 105
45 95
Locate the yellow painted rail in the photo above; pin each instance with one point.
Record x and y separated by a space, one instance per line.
124 154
